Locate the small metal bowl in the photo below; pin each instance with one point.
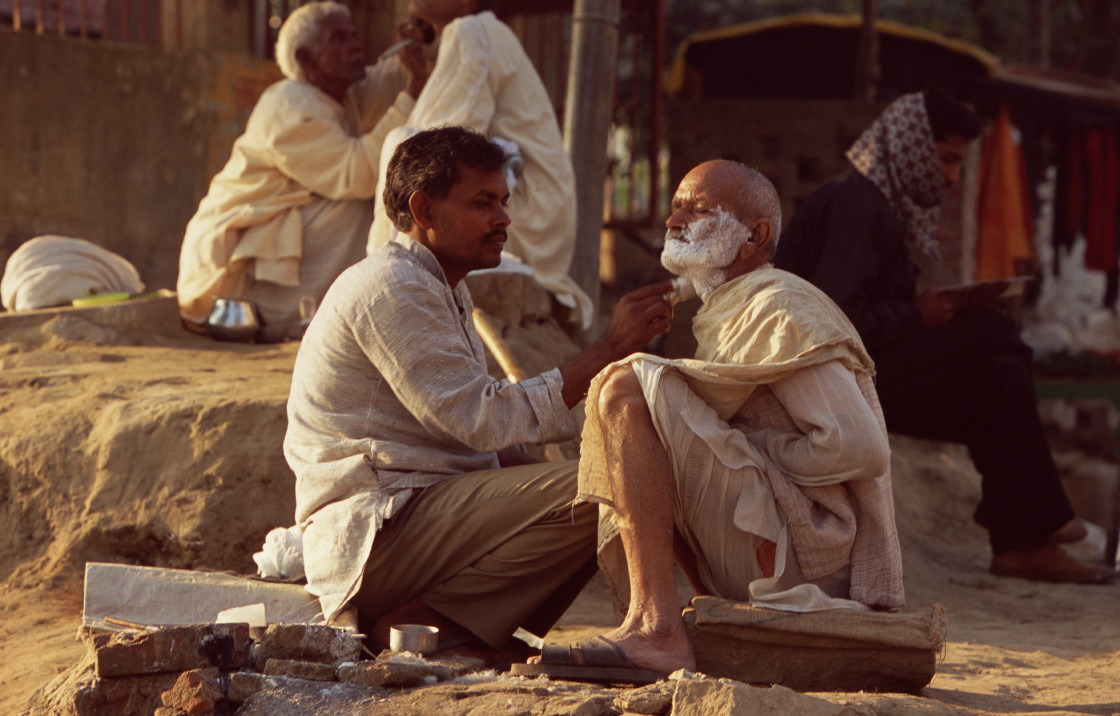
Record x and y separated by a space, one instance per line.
416 638
233 319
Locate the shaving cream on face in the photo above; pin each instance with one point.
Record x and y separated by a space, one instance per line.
702 250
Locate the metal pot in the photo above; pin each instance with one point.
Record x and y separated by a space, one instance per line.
232 319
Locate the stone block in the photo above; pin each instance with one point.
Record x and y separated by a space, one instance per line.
174 649
384 674
243 684
195 692
123 695
716 697
392 670
304 642
591 706
312 670
168 711
651 700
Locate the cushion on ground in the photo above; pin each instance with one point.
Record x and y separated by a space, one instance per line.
835 650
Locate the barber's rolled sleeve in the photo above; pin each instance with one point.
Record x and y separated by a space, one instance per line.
544 394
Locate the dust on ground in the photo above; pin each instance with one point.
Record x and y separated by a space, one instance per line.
125 439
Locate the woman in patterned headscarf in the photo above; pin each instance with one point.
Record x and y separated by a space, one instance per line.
945 375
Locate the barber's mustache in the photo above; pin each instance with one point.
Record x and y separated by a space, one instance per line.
498 232
684 235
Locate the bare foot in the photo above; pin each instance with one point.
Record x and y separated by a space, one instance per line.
663 652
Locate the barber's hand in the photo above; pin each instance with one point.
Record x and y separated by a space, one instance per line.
415 69
936 308
408 29
639 317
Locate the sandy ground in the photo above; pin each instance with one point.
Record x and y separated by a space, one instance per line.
124 439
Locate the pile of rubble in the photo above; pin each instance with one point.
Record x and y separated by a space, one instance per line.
217 668
290 670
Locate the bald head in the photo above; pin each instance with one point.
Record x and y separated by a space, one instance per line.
723 224
739 189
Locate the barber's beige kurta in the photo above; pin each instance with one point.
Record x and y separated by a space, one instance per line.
781 393
390 393
484 80
291 208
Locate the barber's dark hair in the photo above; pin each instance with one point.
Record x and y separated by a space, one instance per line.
429 162
948 117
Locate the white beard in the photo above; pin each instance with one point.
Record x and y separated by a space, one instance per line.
702 251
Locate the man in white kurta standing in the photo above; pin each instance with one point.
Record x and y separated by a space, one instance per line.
416 502
484 80
763 464
291 208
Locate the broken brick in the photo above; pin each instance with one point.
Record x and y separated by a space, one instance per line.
195 692
403 671
179 648
243 684
300 669
305 642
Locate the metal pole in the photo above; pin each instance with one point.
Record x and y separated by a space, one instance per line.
259 30
587 116
866 82
657 107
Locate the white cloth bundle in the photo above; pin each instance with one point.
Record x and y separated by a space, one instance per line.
281 557
54 270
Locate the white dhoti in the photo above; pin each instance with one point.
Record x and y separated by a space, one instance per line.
334 238
725 509
777 435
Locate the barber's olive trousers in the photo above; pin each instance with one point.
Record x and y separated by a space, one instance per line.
492 550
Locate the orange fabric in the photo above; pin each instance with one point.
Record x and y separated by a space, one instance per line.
1004 223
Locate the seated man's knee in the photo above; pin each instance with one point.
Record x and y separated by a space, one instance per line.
620 389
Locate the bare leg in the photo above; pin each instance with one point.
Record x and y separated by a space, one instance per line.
686 560
652 635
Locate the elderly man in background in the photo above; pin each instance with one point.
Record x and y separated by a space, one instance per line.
416 500
961 376
484 80
291 208
762 466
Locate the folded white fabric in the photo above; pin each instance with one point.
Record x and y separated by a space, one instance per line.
54 270
281 557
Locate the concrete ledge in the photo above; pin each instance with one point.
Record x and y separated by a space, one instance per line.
97 324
